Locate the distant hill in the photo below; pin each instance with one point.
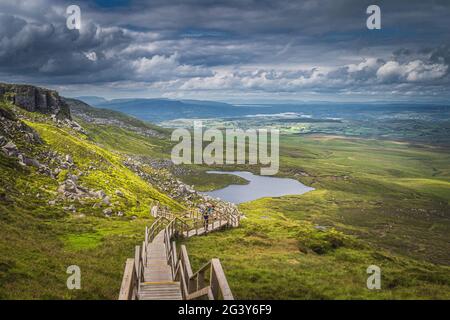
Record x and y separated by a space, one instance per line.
158 110
92 100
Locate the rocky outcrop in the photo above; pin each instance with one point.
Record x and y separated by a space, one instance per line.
35 99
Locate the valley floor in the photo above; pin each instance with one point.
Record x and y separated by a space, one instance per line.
376 202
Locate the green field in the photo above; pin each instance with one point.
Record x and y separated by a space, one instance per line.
383 203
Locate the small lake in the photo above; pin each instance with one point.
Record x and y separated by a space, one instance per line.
258 187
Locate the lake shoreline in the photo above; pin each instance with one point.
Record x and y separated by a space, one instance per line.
258 187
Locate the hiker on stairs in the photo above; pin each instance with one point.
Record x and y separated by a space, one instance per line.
206 215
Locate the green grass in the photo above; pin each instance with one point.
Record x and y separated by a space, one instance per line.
82 241
388 203
390 198
383 203
124 141
38 241
121 140
274 257
110 175
203 181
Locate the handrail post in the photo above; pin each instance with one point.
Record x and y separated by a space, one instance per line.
137 261
144 254
127 289
174 258
218 275
146 235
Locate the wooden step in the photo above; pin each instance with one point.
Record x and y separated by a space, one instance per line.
165 290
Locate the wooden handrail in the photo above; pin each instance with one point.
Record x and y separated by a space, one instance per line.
200 294
127 289
194 285
219 283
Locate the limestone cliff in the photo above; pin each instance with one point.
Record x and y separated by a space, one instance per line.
35 99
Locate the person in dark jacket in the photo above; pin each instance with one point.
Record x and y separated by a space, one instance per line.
206 214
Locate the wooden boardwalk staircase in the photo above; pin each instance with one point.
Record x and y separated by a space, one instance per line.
158 273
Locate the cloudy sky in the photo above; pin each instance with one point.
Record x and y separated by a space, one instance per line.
235 50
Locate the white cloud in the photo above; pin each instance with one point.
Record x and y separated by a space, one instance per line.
367 64
236 47
165 68
413 71
92 56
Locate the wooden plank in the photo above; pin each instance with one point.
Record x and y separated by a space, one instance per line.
127 287
137 261
202 293
219 274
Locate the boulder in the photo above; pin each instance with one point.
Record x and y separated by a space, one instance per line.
70 186
101 194
32 162
10 149
106 200
57 171
69 159
72 177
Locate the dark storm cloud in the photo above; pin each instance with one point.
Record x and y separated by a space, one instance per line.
235 46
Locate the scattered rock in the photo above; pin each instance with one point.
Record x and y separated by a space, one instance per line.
106 200
73 178
70 208
321 228
56 172
69 159
28 162
75 126
10 149
101 194
108 212
119 193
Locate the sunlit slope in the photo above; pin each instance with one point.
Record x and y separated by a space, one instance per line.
108 172
41 237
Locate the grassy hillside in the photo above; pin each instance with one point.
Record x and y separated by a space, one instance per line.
273 257
40 238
